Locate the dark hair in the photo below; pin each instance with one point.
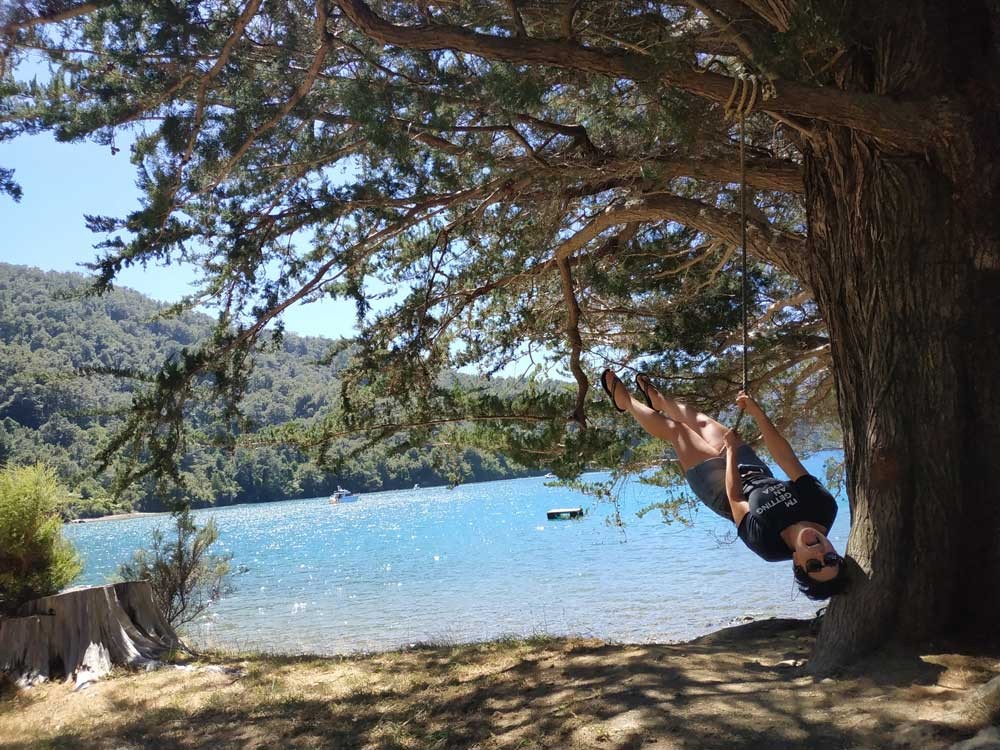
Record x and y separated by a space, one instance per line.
821 590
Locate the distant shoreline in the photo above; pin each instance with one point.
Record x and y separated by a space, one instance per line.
118 516
355 496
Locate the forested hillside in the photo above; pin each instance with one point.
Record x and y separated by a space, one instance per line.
51 330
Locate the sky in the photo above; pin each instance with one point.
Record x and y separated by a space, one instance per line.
64 181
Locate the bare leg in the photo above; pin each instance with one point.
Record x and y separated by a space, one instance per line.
711 431
690 447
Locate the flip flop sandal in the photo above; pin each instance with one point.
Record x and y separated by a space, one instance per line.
641 378
610 391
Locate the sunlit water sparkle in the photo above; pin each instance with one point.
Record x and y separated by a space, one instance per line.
472 563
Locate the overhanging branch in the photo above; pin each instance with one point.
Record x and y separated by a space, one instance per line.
781 249
64 15
762 174
910 126
575 340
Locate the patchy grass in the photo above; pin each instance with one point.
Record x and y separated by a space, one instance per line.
741 687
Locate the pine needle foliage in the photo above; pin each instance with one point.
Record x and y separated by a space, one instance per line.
483 194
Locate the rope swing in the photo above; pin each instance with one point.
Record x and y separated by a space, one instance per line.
743 258
741 100
743 245
747 88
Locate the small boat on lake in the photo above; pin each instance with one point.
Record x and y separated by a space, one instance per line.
339 495
550 475
562 513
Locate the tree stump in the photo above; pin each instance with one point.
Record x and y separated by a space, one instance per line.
82 634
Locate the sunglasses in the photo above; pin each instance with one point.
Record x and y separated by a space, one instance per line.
830 559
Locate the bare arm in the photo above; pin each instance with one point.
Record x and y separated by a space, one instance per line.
776 444
734 491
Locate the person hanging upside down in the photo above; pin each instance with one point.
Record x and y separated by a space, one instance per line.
776 520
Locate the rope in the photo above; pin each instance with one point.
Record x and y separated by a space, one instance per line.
743 246
743 243
747 88
742 99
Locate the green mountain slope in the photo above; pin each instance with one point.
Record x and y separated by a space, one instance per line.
50 330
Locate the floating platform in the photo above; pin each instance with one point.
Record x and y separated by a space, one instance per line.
557 513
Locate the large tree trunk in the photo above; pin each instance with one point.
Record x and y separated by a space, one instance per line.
82 634
905 265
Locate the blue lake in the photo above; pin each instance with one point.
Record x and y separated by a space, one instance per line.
476 562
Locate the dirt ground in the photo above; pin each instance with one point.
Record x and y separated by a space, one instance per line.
740 687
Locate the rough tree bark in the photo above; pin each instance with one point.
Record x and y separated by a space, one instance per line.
82 634
905 265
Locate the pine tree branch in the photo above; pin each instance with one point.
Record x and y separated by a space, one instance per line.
414 216
793 301
575 341
569 16
415 130
322 50
763 174
727 28
249 11
777 13
909 126
462 298
781 249
731 8
63 15
394 427
518 21
577 132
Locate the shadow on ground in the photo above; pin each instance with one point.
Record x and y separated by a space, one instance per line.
742 687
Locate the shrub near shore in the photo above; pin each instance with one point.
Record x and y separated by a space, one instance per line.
185 577
35 559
